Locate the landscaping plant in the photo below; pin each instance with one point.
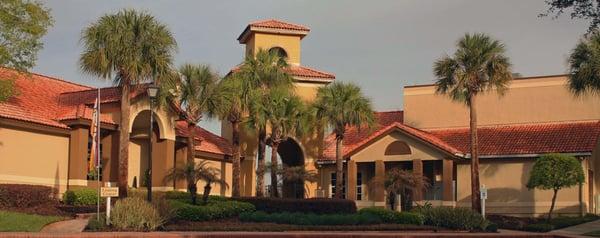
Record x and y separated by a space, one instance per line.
197 172
136 214
81 197
310 205
211 211
454 218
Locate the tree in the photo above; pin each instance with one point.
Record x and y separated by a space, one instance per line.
195 93
581 9
584 66
128 47
263 72
399 181
479 65
22 25
297 174
555 172
197 172
342 105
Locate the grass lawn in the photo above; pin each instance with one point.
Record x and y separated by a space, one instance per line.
13 221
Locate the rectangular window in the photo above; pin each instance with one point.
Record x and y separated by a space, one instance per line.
359 186
333 182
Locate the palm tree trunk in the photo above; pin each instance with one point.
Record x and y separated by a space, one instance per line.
475 193
274 168
552 206
236 167
207 189
191 154
339 171
260 170
124 140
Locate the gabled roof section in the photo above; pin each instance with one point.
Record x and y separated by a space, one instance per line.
526 139
273 26
301 73
208 142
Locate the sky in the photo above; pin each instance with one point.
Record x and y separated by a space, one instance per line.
380 45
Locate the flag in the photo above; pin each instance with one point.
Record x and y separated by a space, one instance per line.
94 132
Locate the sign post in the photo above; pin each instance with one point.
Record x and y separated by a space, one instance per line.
109 192
484 196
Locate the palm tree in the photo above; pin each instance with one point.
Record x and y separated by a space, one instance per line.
584 65
342 105
298 174
128 47
263 72
399 181
479 65
196 172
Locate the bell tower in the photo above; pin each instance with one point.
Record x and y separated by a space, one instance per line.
285 39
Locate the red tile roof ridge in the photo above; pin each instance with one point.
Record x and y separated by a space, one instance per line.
513 125
328 74
256 22
105 88
45 76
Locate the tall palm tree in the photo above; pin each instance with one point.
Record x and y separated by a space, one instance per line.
197 172
584 65
128 47
263 72
399 181
343 105
479 65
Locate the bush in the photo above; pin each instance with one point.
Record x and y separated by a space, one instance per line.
21 195
81 197
311 219
135 214
211 211
492 227
311 205
394 217
539 227
454 218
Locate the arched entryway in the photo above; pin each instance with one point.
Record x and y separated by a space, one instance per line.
139 148
291 155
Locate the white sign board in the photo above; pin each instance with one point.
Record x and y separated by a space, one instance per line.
109 192
484 193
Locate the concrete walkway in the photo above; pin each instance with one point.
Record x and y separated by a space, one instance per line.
67 226
578 230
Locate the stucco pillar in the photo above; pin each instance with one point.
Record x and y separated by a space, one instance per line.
248 175
78 153
351 190
180 160
418 171
447 177
163 160
380 178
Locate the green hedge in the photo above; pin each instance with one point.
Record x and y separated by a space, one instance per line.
177 195
454 218
394 217
309 205
539 227
211 211
311 219
81 197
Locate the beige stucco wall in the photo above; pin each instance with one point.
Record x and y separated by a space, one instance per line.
291 44
33 157
528 100
507 193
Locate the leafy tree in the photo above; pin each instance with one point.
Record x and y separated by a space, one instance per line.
584 65
196 172
581 9
479 65
399 181
263 72
128 47
342 105
22 25
555 172
298 174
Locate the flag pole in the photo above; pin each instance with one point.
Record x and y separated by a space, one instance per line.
98 152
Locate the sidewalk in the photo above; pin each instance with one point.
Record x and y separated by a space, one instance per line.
578 230
66 227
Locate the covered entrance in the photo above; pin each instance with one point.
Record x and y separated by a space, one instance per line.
292 158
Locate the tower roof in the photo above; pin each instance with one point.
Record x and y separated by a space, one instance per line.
273 26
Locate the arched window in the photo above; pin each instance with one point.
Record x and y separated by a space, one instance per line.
397 148
280 52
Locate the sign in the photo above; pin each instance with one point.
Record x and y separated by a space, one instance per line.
109 192
484 193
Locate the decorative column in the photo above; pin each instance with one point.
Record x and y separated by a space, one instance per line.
78 154
351 189
380 177
447 177
418 171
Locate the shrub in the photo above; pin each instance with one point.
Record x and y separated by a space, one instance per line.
454 218
394 217
311 219
492 227
135 214
311 205
21 195
81 197
177 195
539 227
211 211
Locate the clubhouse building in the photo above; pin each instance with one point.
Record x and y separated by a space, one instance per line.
45 139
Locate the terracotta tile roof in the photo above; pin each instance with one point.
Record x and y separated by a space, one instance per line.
565 137
277 24
37 98
209 142
355 139
305 73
